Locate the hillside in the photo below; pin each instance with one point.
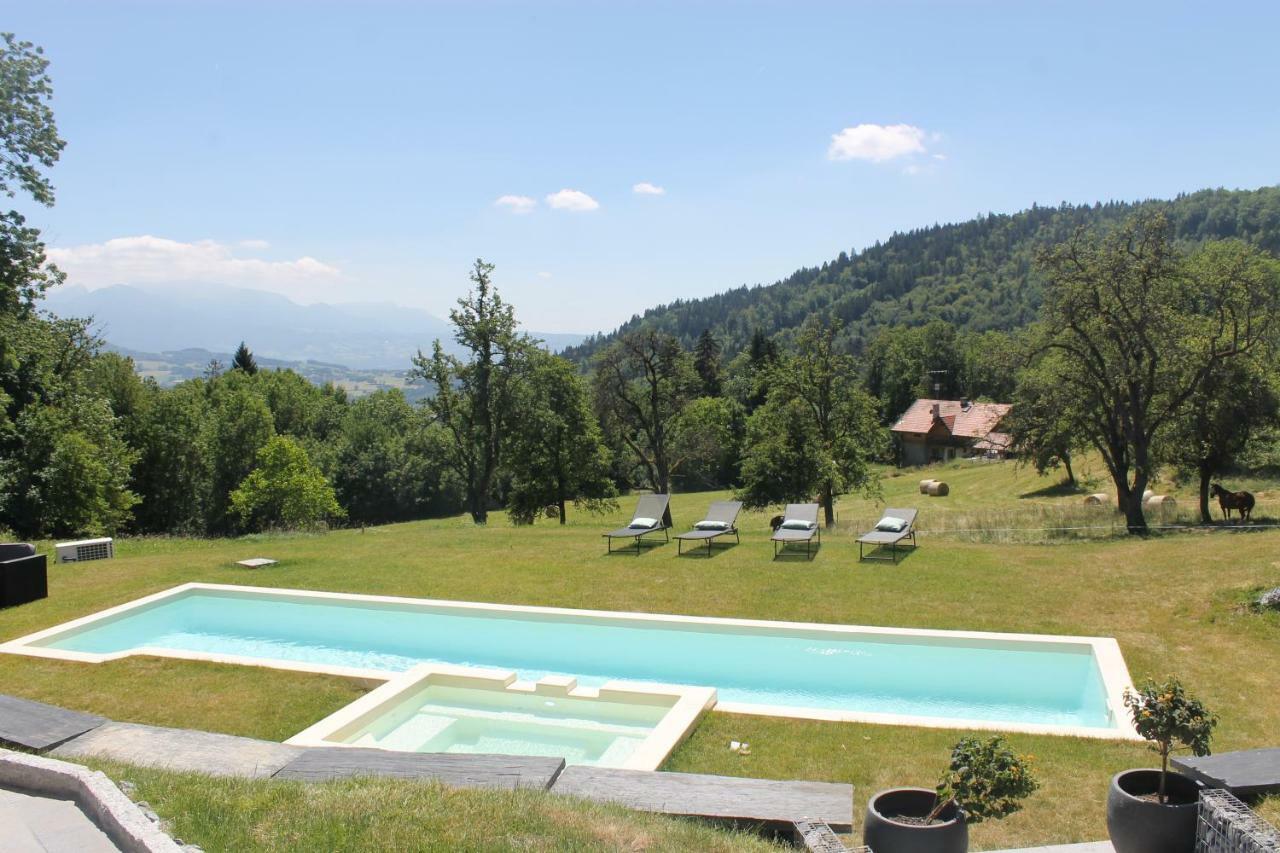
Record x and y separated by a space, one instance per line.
977 274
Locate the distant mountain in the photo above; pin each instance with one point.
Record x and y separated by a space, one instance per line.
158 319
978 274
170 368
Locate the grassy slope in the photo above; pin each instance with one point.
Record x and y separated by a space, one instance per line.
394 814
1172 602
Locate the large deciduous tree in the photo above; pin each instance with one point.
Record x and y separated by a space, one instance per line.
556 452
472 397
642 383
817 432
1139 326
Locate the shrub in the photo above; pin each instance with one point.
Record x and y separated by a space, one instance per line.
1169 719
986 779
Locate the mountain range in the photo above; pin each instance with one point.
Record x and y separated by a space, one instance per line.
159 319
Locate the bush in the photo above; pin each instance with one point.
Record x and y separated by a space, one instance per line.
285 489
1169 719
986 779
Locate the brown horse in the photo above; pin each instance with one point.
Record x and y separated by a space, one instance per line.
1242 501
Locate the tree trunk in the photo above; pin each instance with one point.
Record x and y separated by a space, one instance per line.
828 505
560 506
1071 475
1206 474
1135 519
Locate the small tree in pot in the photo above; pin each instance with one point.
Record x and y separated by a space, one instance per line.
985 779
1154 811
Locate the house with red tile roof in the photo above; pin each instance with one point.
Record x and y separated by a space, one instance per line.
939 430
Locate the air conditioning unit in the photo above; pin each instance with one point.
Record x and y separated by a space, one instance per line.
85 549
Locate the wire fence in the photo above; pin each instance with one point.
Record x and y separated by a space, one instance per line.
1226 825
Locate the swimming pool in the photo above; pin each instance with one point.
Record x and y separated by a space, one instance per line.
441 708
1060 685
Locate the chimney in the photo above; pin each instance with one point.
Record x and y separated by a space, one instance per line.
964 404
937 411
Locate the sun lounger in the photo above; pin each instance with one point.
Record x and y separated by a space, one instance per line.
653 513
894 526
799 524
721 520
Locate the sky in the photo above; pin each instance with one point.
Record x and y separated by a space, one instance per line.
611 156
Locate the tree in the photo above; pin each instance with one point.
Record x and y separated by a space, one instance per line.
472 399
172 474
557 453
706 361
387 463
285 490
243 360
706 443
1235 400
1139 327
1042 423
29 142
642 383
822 426
238 428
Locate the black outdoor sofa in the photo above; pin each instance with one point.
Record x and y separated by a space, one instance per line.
24 574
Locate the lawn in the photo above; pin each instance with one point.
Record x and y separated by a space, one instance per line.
1173 601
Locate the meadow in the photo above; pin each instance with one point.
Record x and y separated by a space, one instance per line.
1175 601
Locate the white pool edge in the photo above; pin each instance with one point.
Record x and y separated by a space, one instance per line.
1105 650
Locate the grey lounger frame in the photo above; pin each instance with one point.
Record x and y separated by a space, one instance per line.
881 538
649 506
725 511
803 512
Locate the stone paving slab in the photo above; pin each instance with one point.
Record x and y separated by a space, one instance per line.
182 750
717 797
1087 847
39 727
48 825
317 764
1245 773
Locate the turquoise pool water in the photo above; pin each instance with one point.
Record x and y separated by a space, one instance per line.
1015 682
469 720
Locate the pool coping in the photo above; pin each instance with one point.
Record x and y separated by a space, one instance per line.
687 705
1105 651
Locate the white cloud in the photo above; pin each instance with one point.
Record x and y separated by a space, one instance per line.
516 203
939 156
646 188
544 275
876 142
156 260
255 245
574 200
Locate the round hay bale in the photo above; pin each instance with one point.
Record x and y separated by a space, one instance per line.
1160 502
938 489
1096 499
1148 495
924 486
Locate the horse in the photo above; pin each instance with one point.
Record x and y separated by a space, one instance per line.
1242 501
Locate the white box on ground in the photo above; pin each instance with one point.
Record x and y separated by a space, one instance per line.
85 549
256 563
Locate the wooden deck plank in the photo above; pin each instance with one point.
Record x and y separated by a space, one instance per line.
317 764
1245 773
40 727
181 750
726 798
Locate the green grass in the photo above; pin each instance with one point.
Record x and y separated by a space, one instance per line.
396 814
1172 601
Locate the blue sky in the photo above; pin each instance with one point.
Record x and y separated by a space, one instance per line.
355 152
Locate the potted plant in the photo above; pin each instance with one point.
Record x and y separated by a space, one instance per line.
1154 811
985 779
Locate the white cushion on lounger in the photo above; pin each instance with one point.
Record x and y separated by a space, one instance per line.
890 524
712 525
797 524
643 523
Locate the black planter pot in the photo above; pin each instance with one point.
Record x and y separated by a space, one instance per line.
1142 826
883 834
